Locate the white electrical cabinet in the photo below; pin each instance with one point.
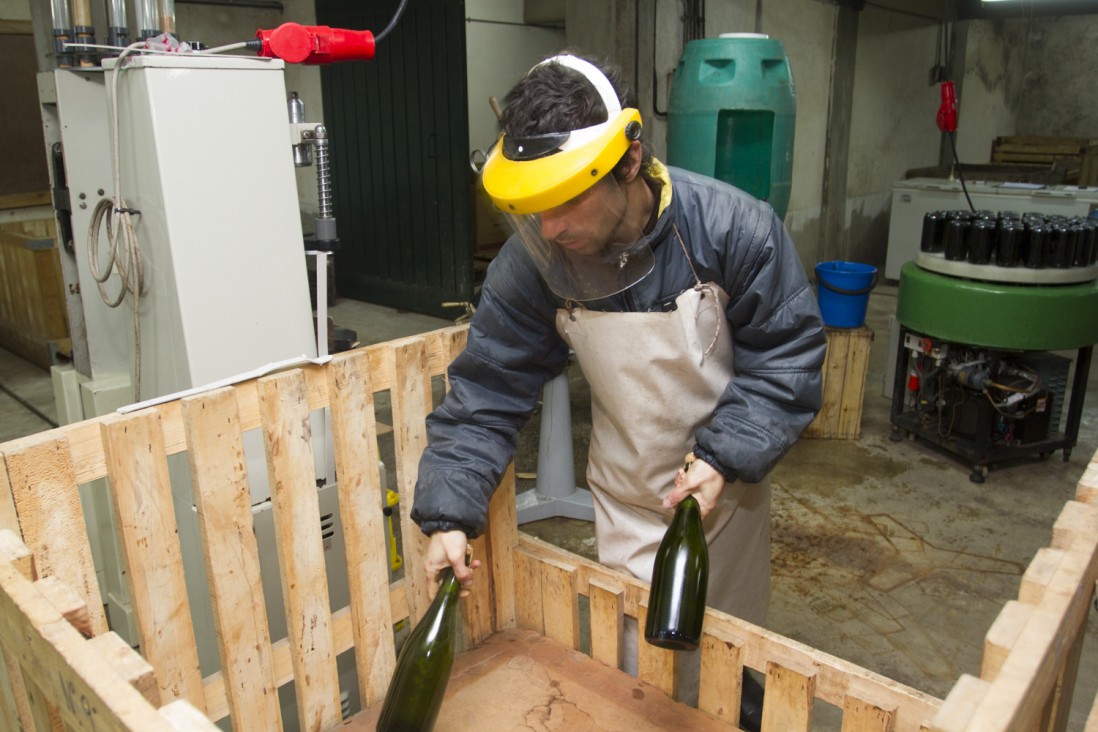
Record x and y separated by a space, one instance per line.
914 198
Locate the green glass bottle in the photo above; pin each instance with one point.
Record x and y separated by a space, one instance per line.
680 576
423 666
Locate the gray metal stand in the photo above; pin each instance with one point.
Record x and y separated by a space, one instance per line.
555 493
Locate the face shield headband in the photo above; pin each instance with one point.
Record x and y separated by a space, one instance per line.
567 212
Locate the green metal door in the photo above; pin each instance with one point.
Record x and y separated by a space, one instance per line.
401 181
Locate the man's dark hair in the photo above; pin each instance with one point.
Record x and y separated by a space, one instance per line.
556 98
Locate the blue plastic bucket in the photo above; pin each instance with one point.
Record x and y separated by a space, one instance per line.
843 292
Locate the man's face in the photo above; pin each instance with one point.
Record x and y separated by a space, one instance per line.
587 223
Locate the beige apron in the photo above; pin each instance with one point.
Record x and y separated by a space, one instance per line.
655 379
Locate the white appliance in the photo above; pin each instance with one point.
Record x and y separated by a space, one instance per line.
914 198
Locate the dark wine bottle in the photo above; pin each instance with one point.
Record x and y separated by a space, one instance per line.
423 666
680 576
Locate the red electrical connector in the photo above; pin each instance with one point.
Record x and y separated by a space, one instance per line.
315 44
947 112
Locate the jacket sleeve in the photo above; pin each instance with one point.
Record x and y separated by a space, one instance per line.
513 349
778 345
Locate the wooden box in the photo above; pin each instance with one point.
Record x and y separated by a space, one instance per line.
521 626
844 372
33 321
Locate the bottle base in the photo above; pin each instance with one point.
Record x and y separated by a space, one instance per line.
672 640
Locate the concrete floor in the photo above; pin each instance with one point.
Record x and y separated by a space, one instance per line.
884 553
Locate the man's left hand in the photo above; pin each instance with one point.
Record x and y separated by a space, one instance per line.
700 479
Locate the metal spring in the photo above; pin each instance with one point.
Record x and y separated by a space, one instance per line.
323 173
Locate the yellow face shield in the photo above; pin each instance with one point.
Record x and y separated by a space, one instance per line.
563 207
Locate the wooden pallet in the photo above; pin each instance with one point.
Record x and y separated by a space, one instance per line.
85 679
844 372
1078 156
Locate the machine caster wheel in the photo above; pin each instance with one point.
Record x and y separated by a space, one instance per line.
897 435
1044 456
1067 455
978 474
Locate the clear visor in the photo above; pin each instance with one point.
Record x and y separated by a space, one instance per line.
587 248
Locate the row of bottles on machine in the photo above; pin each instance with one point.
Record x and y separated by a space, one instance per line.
1008 239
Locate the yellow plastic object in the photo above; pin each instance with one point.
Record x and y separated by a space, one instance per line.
395 560
533 186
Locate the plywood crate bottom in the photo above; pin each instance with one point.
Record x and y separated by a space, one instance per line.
844 373
521 626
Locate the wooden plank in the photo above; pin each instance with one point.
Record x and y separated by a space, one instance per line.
1060 700
89 693
8 517
15 705
65 600
296 513
223 503
476 610
502 540
1002 636
960 705
137 469
857 366
25 200
51 518
657 666
560 602
1040 571
721 675
789 694
860 715
134 669
1072 522
181 716
361 497
529 614
1087 490
607 612
86 450
411 403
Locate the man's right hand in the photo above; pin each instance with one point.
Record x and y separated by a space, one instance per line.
448 549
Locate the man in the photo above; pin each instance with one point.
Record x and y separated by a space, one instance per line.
689 313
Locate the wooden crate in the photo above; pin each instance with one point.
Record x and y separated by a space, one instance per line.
523 613
844 372
33 320
1077 156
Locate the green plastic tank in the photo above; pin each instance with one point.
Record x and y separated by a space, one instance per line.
731 114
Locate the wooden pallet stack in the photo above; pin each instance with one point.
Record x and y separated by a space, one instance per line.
62 665
33 319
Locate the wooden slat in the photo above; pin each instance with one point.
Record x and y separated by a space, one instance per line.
857 365
296 513
65 600
181 716
502 540
560 602
1001 637
44 716
1087 489
361 497
657 666
137 468
1072 522
789 694
8 518
134 669
411 402
14 701
51 518
860 715
607 612
476 609
1040 571
721 675
834 372
960 705
529 613
89 693
224 511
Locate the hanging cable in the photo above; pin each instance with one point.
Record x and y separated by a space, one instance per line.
125 249
393 22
